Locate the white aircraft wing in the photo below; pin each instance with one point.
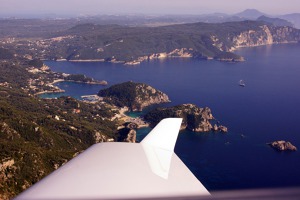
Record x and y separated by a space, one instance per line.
149 169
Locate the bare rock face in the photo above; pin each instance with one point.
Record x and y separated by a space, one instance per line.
131 136
282 145
194 118
265 35
215 128
220 128
204 126
223 129
100 137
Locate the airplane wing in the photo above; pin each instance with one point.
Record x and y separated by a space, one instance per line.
149 169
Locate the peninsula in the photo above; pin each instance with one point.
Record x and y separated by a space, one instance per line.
194 118
136 96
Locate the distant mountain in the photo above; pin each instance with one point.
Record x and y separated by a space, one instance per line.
293 18
250 14
275 21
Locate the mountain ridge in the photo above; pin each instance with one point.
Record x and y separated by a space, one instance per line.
133 45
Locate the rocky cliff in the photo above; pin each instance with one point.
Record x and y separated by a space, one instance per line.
136 96
194 118
265 35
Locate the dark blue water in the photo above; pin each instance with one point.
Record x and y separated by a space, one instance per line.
267 109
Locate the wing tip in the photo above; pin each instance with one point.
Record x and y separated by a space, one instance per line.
164 134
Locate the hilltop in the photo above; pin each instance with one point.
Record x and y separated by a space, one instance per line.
251 14
275 21
136 96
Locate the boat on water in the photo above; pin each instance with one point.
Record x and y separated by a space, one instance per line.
242 83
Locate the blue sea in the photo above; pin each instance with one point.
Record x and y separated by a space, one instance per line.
266 109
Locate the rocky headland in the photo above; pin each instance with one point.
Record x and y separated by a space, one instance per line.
282 145
194 118
136 96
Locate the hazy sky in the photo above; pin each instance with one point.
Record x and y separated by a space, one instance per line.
77 7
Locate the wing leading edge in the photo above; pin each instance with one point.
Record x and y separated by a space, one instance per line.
149 169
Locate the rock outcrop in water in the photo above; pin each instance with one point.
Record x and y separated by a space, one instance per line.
282 145
136 96
194 118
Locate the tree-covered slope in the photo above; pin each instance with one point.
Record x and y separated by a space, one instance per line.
135 96
201 40
39 135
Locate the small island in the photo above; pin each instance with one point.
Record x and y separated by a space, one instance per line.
282 145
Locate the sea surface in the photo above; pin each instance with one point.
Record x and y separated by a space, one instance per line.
266 109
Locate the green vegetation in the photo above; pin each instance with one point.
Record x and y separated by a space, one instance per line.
123 94
39 135
116 43
6 54
135 96
79 78
14 74
194 118
120 43
36 63
275 21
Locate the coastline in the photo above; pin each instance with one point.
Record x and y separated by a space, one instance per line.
260 45
55 90
245 145
85 60
94 99
176 53
49 92
59 90
127 119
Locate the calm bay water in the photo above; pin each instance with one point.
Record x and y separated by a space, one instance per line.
267 109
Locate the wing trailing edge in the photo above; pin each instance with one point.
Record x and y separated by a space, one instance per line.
123 171
164 134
